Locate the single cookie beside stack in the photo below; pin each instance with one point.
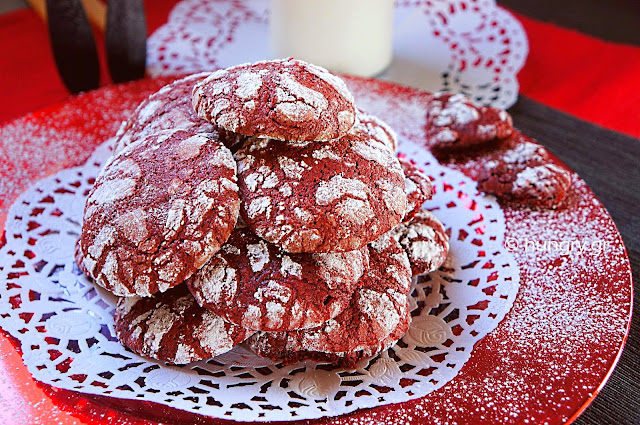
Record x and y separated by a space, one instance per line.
481 142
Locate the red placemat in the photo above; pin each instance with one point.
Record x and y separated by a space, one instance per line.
591 79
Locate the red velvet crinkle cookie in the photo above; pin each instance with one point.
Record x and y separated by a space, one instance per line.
454 122
517 170
158 211
170 109
167 109
173 328
321 197
525 173
425 241
378 315
282 99
542 186
377 129
419 188
252 283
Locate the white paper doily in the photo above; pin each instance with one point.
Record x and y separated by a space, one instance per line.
65 324
468 46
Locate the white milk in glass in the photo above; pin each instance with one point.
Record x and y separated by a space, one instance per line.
347 36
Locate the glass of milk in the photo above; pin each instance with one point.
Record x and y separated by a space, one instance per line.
346 36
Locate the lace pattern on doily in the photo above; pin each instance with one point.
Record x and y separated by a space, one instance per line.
65 324
469 46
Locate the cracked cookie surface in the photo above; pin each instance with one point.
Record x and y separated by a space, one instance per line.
282 99
378 315
419 188
517 170
425 241
321 197
525 173
377 129
252 283
158 211
173 328
454 122
170 109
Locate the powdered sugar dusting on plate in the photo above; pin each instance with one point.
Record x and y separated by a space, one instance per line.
559 377
569 319
572 307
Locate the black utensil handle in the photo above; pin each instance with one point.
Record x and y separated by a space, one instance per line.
126 39
73 45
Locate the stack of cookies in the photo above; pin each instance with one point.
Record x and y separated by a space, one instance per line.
258 203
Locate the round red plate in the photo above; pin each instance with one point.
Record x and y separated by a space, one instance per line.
544 363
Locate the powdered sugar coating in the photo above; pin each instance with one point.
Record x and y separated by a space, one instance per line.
454 122
525 152
419 189
169 109
377 129
541 182
282 99
425 241
377 316
254 284
517 170
173 328
330 197
158 211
